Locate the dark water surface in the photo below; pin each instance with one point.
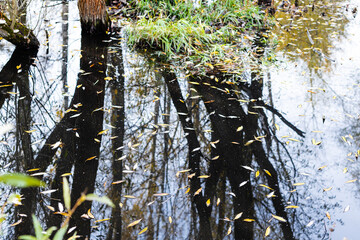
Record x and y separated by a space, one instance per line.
98 113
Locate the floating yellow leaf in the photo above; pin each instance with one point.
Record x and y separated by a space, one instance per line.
90 214
103 131
198 191
170 220
66 174
204 176
208 202
218 202
267 231
351 181
160 194
134 223
249 142
102 220
142 231
267 172
30 131
129 196
328 215
238 216
327 189
281 219
228 231
90 158
239 128
298 184
257 173
248 220
320 168
16 223
262 185
291 206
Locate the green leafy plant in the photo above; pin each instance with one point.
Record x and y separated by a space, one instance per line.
59 235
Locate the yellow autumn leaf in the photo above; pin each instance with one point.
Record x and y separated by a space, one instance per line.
263 185
102 132
102 220
160 194
198 191
228 231
238 216
134 223
208 202
267 172
257 173
267 231
328 215
298 184
351 181
142 231
248 220
90 158
281 219
204 176
291 206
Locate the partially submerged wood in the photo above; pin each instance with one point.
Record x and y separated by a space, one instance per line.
19 35
93 17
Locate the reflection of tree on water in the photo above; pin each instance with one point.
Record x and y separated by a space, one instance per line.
232 149
16 71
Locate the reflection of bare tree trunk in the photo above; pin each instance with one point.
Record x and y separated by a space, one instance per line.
117 120
88 125
221 224
23 120
260 154
230 148
152 182
65 47
194 155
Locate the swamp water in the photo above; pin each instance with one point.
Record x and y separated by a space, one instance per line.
129 127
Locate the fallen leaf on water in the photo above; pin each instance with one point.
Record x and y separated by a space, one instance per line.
292 206
160 194
328 215
267 172
267 231
310 223
262 185
298 184
134 223
248 220
142 231
90 158
16 223
102 220
351 181
197 191
281 219
228 231
238 216
248 168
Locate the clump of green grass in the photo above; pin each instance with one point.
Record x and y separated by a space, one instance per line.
210 36
170 37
